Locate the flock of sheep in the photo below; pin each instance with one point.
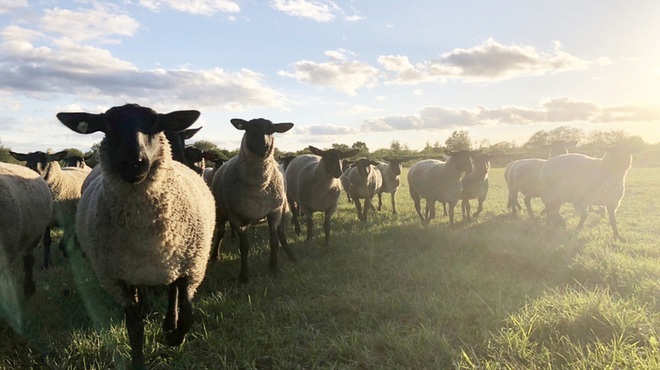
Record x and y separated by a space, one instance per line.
146 214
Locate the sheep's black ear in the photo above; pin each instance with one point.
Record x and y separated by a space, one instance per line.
350 153
19 156
240 124
177 121
316 151
83 123
282 127
189 133
209 156
57 156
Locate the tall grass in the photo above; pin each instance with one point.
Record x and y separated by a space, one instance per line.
500 293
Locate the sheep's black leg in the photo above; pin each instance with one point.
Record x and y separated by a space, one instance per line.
243 246
47 241
380 201
135 328
326 227
184 316
431 215
416 200
480 207
28 285
359 209
295 214
369 205
528 204
274 243
393 204
220 234
610 213
444 209
169 323
466 209
451 205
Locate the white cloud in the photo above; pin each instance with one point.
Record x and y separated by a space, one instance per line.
325 130
315 10
203 7
87 24
354 18
551 110
8 5
488 62
94 74
358 109
342 74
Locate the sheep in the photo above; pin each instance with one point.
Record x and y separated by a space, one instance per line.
523 176
65 185
390 172
364 180
26 206
475 184
177 140
77 161
345 183
585 181
145 220
210 171
250 187
435 180
312 185
285 160
198 158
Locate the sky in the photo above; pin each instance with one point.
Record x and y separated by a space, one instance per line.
341 71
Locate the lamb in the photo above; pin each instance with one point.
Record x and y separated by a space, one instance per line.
65 185
475 184
364 180
390 172
26 206
250 187
146 219
312 185
439 181
585 181
523 176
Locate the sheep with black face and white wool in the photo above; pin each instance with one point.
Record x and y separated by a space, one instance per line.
209 172
312 185
177 140
585 181
199 157
391 172
65 185
438 181
77 161
345 182
364 180
522 176
145 220
26 206
250 187
475 184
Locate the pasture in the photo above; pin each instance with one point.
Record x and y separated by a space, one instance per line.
501 293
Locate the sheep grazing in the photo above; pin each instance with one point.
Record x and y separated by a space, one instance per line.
438 181
65 185
345 183
475 184
146 219
26 206
312 185
364 180
250 187
391 171
522 176
585 181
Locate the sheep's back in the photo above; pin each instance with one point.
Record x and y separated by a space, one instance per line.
428 179
309 186
523 176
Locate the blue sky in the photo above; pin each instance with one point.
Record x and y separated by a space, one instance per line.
342 71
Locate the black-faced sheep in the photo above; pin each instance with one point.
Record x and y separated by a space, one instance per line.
438 181
312 185
390 171
77 161
345 182
585 181
250 187
364 180
146 219
475 184
177 140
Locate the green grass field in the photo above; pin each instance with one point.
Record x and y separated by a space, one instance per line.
501 293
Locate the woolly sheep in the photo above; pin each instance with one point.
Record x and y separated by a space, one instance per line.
65 186
312 185
438 181
177 140
210 172
475 184
390 171
522 176
26 206
364 180
146 219
250 187
345 182
585 181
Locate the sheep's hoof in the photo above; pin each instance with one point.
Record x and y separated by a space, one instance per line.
173 338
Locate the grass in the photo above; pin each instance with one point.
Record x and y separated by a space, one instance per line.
500 293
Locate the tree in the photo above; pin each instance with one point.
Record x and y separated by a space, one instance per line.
72 152
94 153
342 147
459 140
566 133
538 140
5 156
364 151
208 146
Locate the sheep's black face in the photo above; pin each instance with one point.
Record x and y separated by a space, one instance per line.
259 134
481 163
74 161
332 162
364 167
461 159
38 161
177 141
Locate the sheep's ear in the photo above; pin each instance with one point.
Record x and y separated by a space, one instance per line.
209 156
316 151
350 153
240 124
57 156
282 127
82 123
177 121
189 133
19 156
449 152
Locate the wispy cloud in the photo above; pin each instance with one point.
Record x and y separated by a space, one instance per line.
88 24
551 110
488 62
320 11
202 7
339 72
